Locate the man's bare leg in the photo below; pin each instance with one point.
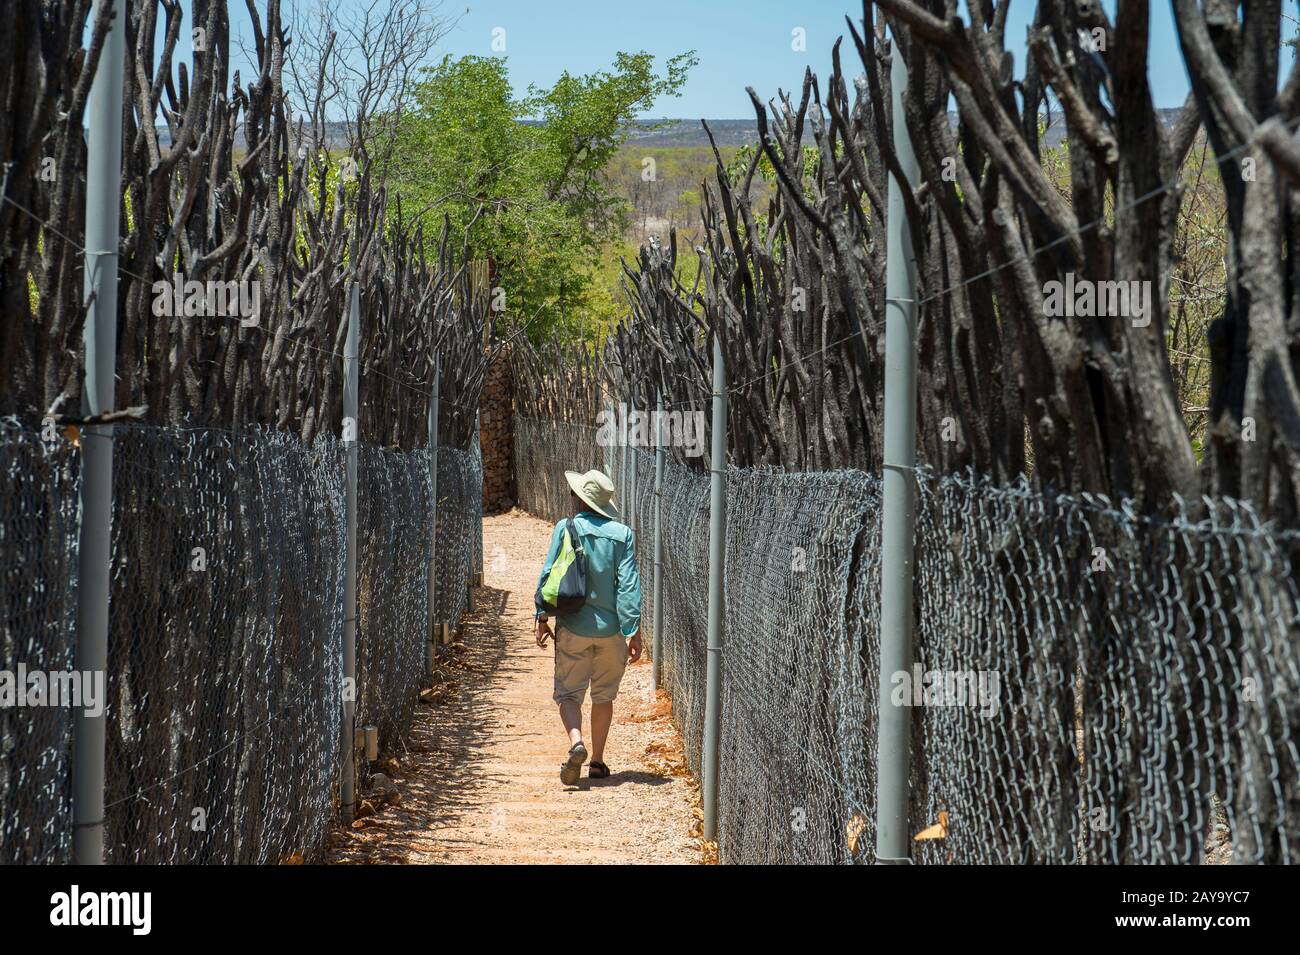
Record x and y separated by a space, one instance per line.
571 717
602 715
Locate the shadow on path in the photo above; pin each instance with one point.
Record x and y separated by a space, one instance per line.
478 778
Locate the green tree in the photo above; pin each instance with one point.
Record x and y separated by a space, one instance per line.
522 181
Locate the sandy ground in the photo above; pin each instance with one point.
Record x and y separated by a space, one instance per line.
479 782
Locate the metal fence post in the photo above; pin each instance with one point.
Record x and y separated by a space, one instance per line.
657 621
612 422
717 558
632 521
622 461
433 516
351 387
473 543
478 539
103 195
893 759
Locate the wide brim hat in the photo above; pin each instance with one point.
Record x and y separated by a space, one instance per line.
594 489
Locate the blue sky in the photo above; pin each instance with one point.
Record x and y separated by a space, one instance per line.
738 42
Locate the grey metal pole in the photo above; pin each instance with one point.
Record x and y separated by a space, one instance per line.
893 840
433 517
657 621
631 485
717 559
103 195
609 447
473 545
478 538
622 466
351 388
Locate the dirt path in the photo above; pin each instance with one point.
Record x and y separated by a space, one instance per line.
480 781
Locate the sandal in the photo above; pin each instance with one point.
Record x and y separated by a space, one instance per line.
598 770
571 768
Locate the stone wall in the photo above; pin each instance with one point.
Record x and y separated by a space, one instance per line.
496 435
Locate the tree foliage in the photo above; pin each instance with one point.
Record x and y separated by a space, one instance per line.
523 180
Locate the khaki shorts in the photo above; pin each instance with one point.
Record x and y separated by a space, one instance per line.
579 661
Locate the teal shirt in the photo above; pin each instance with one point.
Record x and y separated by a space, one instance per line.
613 582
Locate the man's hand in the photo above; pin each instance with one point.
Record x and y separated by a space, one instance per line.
634 647
543 633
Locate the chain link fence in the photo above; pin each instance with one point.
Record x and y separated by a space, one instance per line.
460 529
394 499
543 450
38 613
225 680
1090 684
1140 694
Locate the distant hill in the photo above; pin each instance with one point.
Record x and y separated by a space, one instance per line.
686 133
739 132
689 132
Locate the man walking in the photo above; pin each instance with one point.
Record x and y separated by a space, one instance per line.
595 643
